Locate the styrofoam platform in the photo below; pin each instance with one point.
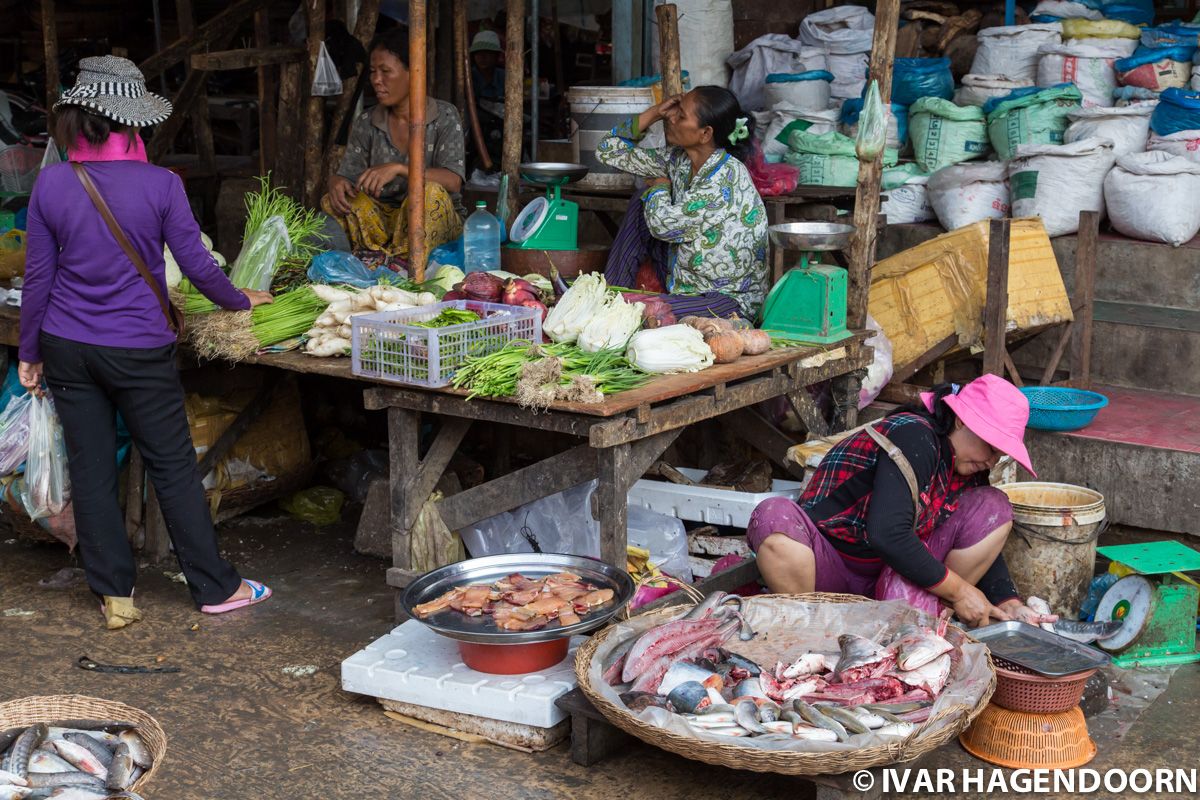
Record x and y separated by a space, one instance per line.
705 503
412 664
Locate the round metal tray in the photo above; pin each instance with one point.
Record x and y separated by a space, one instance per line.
489 569
552 173
810 236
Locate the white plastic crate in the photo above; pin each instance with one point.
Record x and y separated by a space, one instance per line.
19 167
412 664
705 503
389 346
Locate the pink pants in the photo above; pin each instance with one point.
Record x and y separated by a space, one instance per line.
980 511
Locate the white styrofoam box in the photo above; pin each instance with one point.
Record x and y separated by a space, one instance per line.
413 664
704 503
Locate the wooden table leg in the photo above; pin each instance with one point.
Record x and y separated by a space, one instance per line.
404 428
135 499
612 503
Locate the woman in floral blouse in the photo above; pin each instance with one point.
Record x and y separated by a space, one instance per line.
368 194
700 222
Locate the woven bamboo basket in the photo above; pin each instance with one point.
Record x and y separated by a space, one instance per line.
32 710
740 756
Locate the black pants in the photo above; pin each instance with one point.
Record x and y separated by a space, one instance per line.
89 385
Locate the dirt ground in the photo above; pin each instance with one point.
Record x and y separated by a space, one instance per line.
240 726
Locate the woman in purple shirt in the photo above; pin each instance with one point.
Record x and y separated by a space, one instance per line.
94 328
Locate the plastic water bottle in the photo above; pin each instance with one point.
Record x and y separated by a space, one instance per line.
481 241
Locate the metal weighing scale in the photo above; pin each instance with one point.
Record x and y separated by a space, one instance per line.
548 223
1155 601
808 304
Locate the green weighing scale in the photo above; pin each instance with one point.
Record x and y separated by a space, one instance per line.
548 223
808 304
1155 602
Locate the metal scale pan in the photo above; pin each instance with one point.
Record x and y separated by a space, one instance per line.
810 237
489 569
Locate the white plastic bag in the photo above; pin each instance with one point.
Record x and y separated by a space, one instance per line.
51 156
14 433
326 81
1066 10
978 89
879 371
1056 182
1128 126
1184 143
1154 196
771 52
1012 50
47 485
967 193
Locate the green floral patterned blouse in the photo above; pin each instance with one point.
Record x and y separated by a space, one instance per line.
715 223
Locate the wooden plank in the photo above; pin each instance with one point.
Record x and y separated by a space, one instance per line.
547 477
404 429
428 471
183 102
364 31
417 250
472 117
50 50
1084 302
268 80
157 545
461 76
135 498
201 124
246 59
222 25
445 57
613 467
750 426
1064 339
486 410
870 176
776 213
514 99
933 354
807 412
314 109
995 310
289 165
244 419
668 46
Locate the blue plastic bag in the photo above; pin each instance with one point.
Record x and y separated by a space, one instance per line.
1152 55
340 267
449 254
795 77
1177 110
1171 35
1135 12
914 78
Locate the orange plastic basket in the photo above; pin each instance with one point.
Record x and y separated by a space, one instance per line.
1029 741
1021 689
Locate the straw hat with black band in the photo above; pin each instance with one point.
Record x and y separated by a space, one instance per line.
115 88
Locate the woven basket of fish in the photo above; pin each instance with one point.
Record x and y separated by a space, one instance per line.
96 748
793 684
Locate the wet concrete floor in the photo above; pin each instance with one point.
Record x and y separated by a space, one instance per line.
245 719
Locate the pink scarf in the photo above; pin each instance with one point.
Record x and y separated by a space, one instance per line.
115 148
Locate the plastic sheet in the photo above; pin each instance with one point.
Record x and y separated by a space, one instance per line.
788 628
320 505
14 433
255 265
339 267
47 485
872 126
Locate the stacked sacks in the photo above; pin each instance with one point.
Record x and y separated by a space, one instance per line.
845 32
1128 127
1156 68
1136 192
782 123
1030 116
908 202
1012 51
829 159
769 53
1175 124
1058 10
804 91
978 89
1087 64
1056 182
967 193
944 134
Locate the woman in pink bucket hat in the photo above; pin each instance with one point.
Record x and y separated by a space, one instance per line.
903 510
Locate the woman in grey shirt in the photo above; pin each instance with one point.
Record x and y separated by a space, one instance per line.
368 195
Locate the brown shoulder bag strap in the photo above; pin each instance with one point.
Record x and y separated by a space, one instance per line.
902 463
174 317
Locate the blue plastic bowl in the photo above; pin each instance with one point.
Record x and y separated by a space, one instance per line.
1054 408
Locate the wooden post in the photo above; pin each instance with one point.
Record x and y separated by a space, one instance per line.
314 113
268 79
668 46
514 100
622 40
201 126
870 176
443 70
289 161
559 80
50 50
472 115
535 94
461 58
417 253
1084 300
995 310
364 31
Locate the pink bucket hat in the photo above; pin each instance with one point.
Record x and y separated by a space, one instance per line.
995 411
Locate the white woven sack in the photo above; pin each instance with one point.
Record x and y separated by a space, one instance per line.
1128 126
706 26
1012 50
908 203
825 121
1056 182
1196 79
978 89
1185 144
1154 196
1088 67
967 193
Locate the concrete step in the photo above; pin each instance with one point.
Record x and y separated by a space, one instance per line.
1142 453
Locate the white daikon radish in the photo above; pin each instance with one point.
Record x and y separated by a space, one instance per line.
329 294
